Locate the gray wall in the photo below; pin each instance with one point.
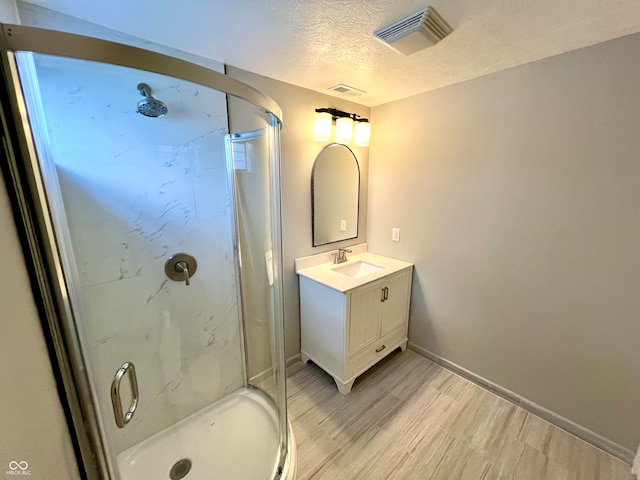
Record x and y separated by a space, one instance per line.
298 152
30 407
518 196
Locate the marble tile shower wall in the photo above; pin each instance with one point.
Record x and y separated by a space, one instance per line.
137 190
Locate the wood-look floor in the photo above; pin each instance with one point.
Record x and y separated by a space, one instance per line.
408 418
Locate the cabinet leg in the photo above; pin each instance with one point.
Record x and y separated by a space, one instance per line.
344 387
403 346
305 358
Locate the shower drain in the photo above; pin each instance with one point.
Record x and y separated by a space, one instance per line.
180 469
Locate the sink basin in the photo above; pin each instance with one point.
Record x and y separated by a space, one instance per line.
357 269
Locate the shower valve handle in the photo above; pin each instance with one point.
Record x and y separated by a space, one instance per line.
181 267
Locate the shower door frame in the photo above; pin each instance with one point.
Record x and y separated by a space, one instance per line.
29 203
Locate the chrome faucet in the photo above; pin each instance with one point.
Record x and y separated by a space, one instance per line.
341 255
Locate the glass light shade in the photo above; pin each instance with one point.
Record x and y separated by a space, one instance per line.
362 134
344 129
322 127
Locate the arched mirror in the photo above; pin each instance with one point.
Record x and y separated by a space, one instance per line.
335 193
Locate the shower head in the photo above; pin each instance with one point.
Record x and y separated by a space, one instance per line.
149 106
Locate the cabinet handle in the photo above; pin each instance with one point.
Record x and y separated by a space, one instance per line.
386 293
379 349
382 299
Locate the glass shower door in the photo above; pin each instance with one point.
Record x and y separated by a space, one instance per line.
259 245
154 248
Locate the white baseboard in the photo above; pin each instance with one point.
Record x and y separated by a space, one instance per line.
262 376
293 359
636 463
294 364
573 428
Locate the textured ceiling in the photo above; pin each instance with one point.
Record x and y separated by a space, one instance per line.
320 43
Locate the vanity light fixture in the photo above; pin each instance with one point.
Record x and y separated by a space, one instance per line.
323 124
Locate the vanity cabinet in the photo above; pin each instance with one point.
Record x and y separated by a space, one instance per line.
345 333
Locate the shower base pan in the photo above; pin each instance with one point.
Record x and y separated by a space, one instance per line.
236 438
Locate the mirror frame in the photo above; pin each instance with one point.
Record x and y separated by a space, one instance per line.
313 197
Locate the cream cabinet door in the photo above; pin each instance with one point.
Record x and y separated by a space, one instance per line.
395 307
364 316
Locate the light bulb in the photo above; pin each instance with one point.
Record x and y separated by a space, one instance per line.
322 127
344 129
362 134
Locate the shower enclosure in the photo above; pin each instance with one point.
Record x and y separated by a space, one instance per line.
148 192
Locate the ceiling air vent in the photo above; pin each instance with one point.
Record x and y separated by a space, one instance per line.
415 32
347 90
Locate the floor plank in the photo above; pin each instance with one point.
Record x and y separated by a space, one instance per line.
407 418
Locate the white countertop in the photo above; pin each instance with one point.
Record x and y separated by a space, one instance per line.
320 268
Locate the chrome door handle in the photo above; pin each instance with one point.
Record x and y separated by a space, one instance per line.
123 418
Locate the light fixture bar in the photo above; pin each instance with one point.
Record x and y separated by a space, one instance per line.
335 113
